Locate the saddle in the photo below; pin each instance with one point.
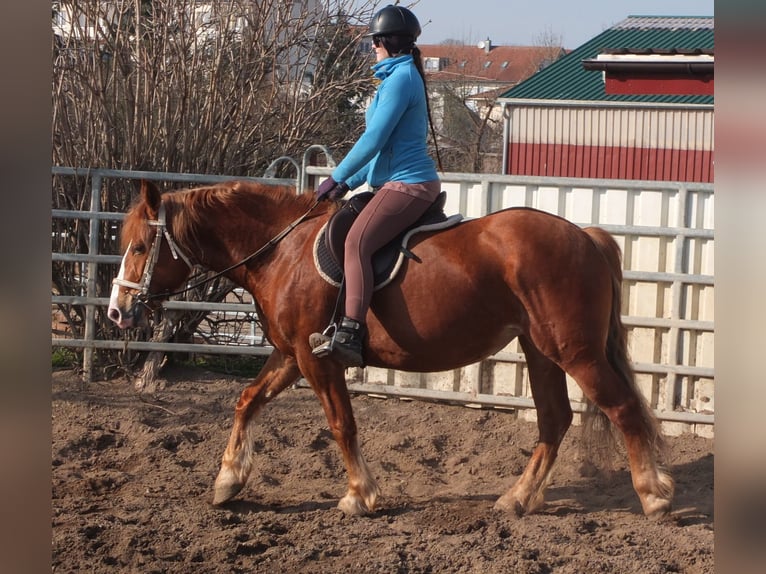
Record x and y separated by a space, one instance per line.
329 246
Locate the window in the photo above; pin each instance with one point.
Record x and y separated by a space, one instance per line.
432 64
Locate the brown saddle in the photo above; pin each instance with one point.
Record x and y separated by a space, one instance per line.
329 247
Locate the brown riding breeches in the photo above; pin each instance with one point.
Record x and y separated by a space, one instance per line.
395 207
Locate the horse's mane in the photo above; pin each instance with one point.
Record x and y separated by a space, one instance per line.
263 201
189 207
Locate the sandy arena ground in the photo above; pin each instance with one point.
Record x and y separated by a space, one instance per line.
133 476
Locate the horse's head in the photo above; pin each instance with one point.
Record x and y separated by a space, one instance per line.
152 264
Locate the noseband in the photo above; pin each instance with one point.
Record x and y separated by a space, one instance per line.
154 253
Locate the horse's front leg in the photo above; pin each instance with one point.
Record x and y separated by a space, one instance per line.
277 374
329 383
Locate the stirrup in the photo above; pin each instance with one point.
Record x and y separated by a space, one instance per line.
345 343
323 343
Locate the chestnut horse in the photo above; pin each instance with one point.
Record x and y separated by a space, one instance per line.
518 272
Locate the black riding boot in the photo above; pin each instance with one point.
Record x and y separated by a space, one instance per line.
345 345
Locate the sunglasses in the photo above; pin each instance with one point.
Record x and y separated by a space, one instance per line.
376 41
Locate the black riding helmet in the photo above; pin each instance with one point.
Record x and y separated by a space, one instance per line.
394 21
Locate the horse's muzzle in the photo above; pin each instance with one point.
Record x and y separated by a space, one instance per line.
131 317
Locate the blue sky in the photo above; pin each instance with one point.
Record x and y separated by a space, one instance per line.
513 22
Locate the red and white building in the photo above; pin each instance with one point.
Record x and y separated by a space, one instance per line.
635 102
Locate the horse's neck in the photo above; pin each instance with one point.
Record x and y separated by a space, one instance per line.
227 237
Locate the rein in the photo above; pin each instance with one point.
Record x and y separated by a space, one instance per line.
143 287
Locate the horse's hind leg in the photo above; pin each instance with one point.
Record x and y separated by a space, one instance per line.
277 374
554 416
622 403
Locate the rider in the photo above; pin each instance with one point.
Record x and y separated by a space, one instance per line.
391 156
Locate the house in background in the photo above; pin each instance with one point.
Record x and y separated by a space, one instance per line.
464 82
474 72
635 102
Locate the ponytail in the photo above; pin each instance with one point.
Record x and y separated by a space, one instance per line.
398 45
417 58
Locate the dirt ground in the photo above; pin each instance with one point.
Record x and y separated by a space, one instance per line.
133 476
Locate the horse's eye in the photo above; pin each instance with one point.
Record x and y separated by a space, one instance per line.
139 249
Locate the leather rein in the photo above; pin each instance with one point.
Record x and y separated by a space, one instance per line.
162 231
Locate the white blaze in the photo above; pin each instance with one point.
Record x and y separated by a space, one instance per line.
115 287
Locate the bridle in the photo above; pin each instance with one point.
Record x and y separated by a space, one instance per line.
154 252
142 287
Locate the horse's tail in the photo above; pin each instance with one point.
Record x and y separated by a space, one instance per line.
596 427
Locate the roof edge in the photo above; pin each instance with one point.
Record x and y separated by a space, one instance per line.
693 68
599 104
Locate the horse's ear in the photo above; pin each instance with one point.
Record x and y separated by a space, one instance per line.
150 195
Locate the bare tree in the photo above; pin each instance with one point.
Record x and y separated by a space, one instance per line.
549 39
219 87
206 87
466 129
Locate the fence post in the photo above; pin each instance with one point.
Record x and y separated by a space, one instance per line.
312 149
94 248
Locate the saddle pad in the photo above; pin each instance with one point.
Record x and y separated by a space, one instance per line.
385 263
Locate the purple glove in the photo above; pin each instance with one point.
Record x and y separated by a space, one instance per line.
331 189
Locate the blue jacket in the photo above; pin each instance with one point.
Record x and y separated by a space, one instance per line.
393 145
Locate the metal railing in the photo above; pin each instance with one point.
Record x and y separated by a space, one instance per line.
94 257
472 195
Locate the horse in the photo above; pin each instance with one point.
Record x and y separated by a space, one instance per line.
515 273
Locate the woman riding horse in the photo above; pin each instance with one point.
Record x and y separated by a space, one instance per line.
392 157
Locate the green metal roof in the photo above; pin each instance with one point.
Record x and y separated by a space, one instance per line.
566 79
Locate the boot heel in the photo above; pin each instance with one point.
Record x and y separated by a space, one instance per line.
347 343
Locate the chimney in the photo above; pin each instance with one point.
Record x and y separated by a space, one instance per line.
485 45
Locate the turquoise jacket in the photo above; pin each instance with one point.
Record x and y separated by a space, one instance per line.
393 145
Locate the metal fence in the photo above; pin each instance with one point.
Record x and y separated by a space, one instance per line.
665 231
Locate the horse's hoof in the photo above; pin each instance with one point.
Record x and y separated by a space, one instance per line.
353 506
658 510
511 505
658 503
225 491
661 516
